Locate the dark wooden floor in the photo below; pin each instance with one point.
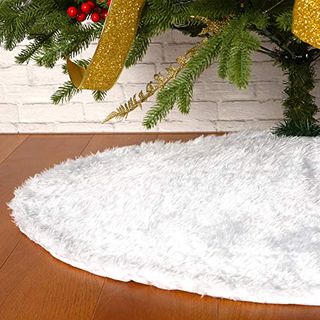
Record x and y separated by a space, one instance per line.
33 285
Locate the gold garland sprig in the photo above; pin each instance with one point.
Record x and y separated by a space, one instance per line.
161 81
212 27
122 112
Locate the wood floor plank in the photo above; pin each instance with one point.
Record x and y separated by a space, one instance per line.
32 156
37 153
123 301
232 310
8 143
33 284
9 235
169 137
36 286
103 142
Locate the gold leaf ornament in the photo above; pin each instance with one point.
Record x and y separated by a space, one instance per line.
306 21
116 39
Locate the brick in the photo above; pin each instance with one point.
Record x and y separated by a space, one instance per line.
269 90
175 36
16 75
210 75
138 74
8 128
36 127
179 37
28 94
204 111
250 110
221 91
9 113
260 57
266 71
200 111
44 76
116 93
8 57
3 93
154 54
85 127
165 37
50 113
316 90
229 126
173 51
97 112
190 125
131 126
88 53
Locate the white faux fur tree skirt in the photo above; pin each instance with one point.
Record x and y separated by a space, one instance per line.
235 216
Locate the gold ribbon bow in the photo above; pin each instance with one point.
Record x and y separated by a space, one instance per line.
116 39
306 21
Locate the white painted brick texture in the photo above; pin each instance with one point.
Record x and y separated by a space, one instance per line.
217 106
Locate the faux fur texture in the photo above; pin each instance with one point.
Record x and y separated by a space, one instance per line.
236 216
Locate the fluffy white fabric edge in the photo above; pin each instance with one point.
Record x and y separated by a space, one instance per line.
19 213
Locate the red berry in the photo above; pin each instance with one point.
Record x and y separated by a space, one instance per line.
104 14
81 16
86 8
95 17
72 12
91 4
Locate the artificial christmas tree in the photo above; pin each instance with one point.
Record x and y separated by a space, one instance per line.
231 32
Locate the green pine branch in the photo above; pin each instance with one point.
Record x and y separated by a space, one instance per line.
52 36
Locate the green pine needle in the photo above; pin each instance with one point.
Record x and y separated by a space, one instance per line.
65 93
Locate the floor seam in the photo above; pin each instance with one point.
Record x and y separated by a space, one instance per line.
10 254
98 300
85 147
5 159
14 150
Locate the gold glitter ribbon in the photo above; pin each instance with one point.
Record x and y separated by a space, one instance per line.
306 21
116 39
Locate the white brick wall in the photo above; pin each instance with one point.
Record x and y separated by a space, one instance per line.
218 106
